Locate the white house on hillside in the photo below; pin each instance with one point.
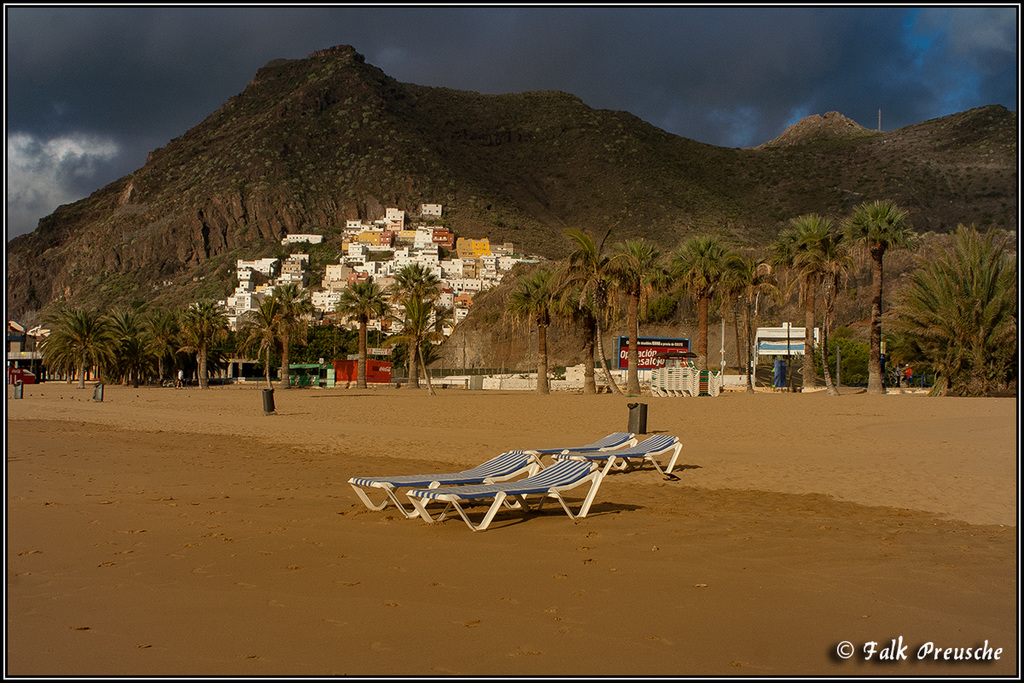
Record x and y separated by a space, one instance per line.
263 265
295 239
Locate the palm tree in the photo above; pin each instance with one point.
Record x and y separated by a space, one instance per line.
421 323
879 226
802 247
533 299
415 282
161 331
730 291
79 340
294 307
133 358
699 265
588 273
363 301
260 329
637 271
835 263
576 307
960 311
750 278
203 324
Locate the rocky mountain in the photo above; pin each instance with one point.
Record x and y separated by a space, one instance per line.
313 142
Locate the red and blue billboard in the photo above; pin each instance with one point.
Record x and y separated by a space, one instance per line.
650 351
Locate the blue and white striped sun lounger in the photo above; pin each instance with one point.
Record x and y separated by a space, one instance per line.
499 468
549 483
634 456
610 442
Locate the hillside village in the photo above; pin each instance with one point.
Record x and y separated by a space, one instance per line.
378 249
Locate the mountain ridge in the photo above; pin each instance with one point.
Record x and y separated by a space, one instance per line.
310 143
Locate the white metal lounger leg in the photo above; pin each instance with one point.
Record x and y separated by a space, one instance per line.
499 499
614 463
671 462
389 498
595 477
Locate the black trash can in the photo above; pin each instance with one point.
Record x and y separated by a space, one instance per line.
97 392
18 389
268 401
637 418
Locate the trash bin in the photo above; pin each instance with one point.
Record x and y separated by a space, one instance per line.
780 374
19 387
637 418
268 401
97 392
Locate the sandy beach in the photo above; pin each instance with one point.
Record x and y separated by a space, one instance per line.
184 533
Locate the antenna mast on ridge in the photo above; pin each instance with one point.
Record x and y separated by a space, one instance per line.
879 120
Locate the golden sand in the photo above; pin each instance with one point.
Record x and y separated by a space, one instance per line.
183 532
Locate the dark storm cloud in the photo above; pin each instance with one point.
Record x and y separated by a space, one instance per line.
91 90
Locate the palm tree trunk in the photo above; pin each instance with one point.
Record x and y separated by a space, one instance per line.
361 363
286 370
604 365
589 385
810 375
826 319
81 375
203 380
633 355
542 359
426 375
270 385
414 380
702 333
875 349
736 331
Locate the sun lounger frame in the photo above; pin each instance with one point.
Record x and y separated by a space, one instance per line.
548 483
503 467
634 457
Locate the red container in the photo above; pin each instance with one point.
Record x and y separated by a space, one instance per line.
377 371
